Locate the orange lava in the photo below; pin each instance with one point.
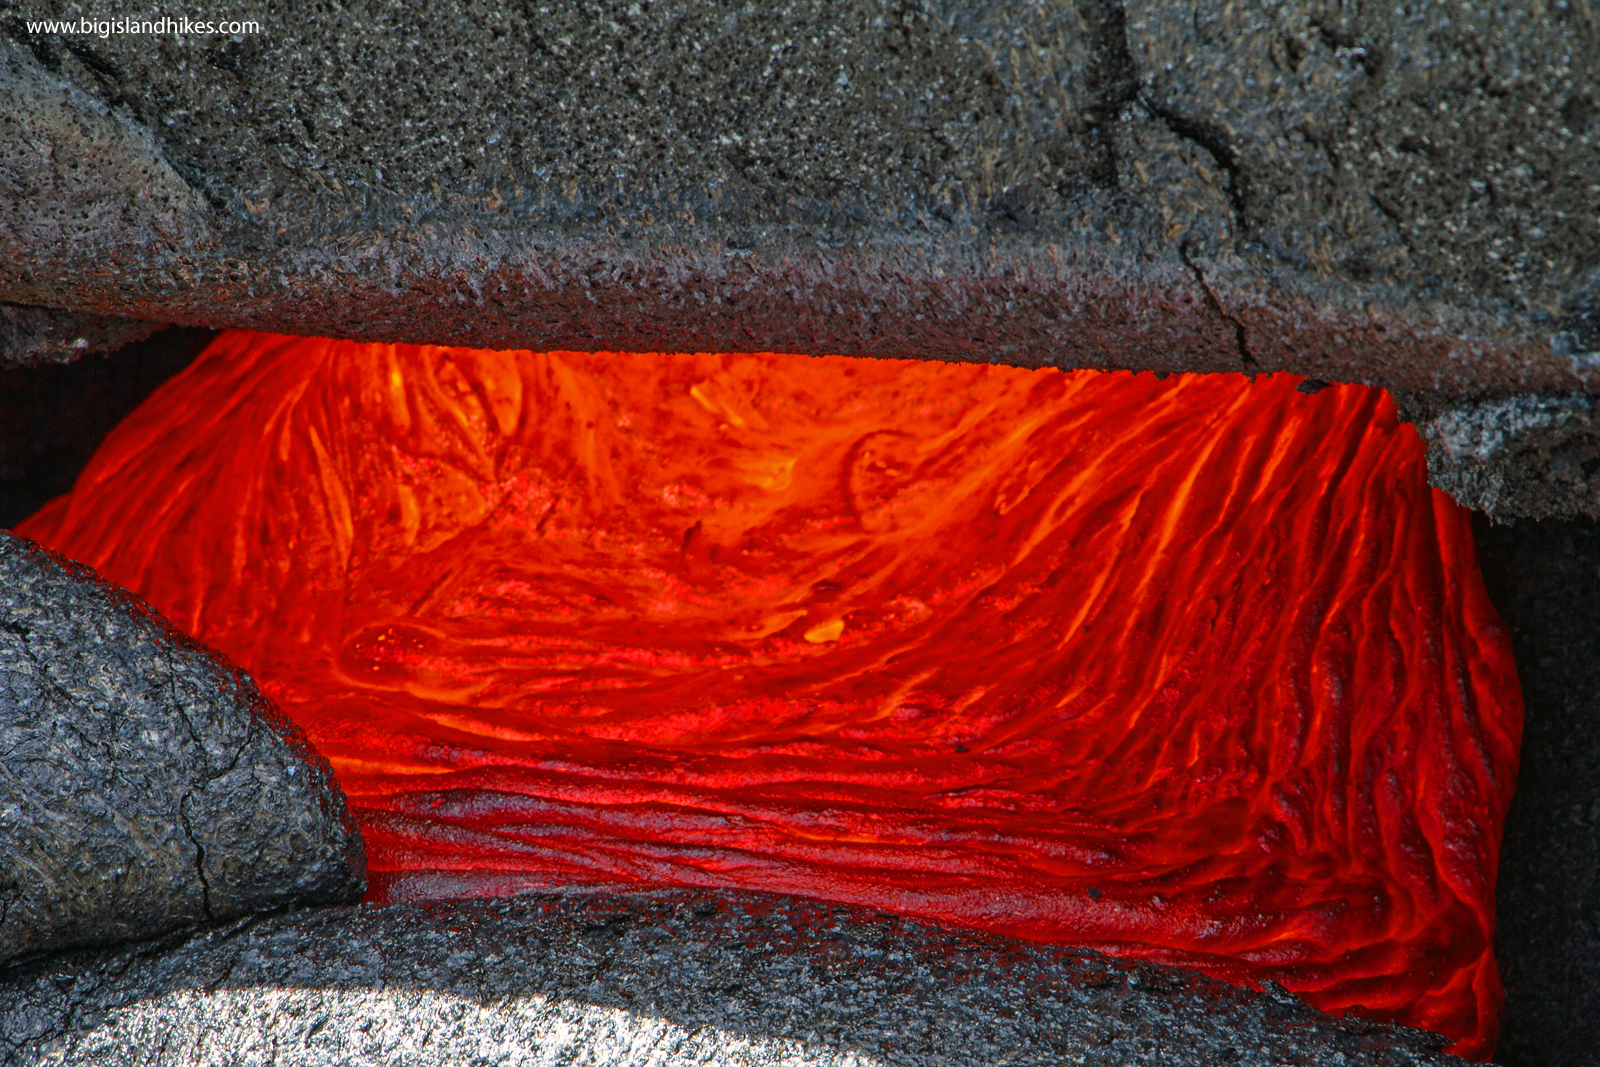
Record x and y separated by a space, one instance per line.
1197 671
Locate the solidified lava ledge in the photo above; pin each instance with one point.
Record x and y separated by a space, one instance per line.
1198 671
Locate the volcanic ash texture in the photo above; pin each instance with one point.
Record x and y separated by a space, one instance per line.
146 783
1197 671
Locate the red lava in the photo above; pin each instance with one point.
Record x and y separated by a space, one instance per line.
1198 671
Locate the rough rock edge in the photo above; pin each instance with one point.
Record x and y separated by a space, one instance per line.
102 191
476 272
235 854
1517 457
30 336
679 975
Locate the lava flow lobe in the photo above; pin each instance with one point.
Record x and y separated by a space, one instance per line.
1197 671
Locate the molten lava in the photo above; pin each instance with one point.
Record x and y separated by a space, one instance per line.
1197 671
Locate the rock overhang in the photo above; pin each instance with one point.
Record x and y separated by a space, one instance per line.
1079 184
1396 198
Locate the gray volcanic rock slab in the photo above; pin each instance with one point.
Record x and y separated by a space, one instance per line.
1513 457
1452 148
146 784
667 979
1396 196
30 335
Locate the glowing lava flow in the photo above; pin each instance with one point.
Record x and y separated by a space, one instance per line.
1197 671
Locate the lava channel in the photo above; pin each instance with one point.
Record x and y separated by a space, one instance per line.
1198 671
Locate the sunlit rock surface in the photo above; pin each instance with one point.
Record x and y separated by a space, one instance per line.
674 979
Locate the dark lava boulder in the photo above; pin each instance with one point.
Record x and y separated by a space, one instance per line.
145 783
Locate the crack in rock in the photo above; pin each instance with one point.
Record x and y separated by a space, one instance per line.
134 811
1240 337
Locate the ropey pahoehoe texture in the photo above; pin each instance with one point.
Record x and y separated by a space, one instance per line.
1197 671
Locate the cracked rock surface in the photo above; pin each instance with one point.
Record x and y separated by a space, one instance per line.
145 783
673 978
1390 193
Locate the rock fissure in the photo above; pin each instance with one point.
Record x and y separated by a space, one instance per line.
1240 337
199 857
1116 77
45 675
1214 143
177 703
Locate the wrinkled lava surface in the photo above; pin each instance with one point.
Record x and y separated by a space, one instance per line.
1198 671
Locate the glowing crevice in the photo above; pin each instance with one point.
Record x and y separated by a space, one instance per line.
1198 671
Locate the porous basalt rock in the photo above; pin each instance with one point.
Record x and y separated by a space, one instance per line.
1393 195
147 785
1513 457
30 335
1450 149
676 978
1398 196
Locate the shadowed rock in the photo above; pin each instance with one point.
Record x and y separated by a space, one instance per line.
1512 457
675 978
146 784
30 335
1544 577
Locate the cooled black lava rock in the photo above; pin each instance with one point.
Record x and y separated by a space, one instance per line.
1390 194
145 783
30 335
1394 194
1529 457
674 978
